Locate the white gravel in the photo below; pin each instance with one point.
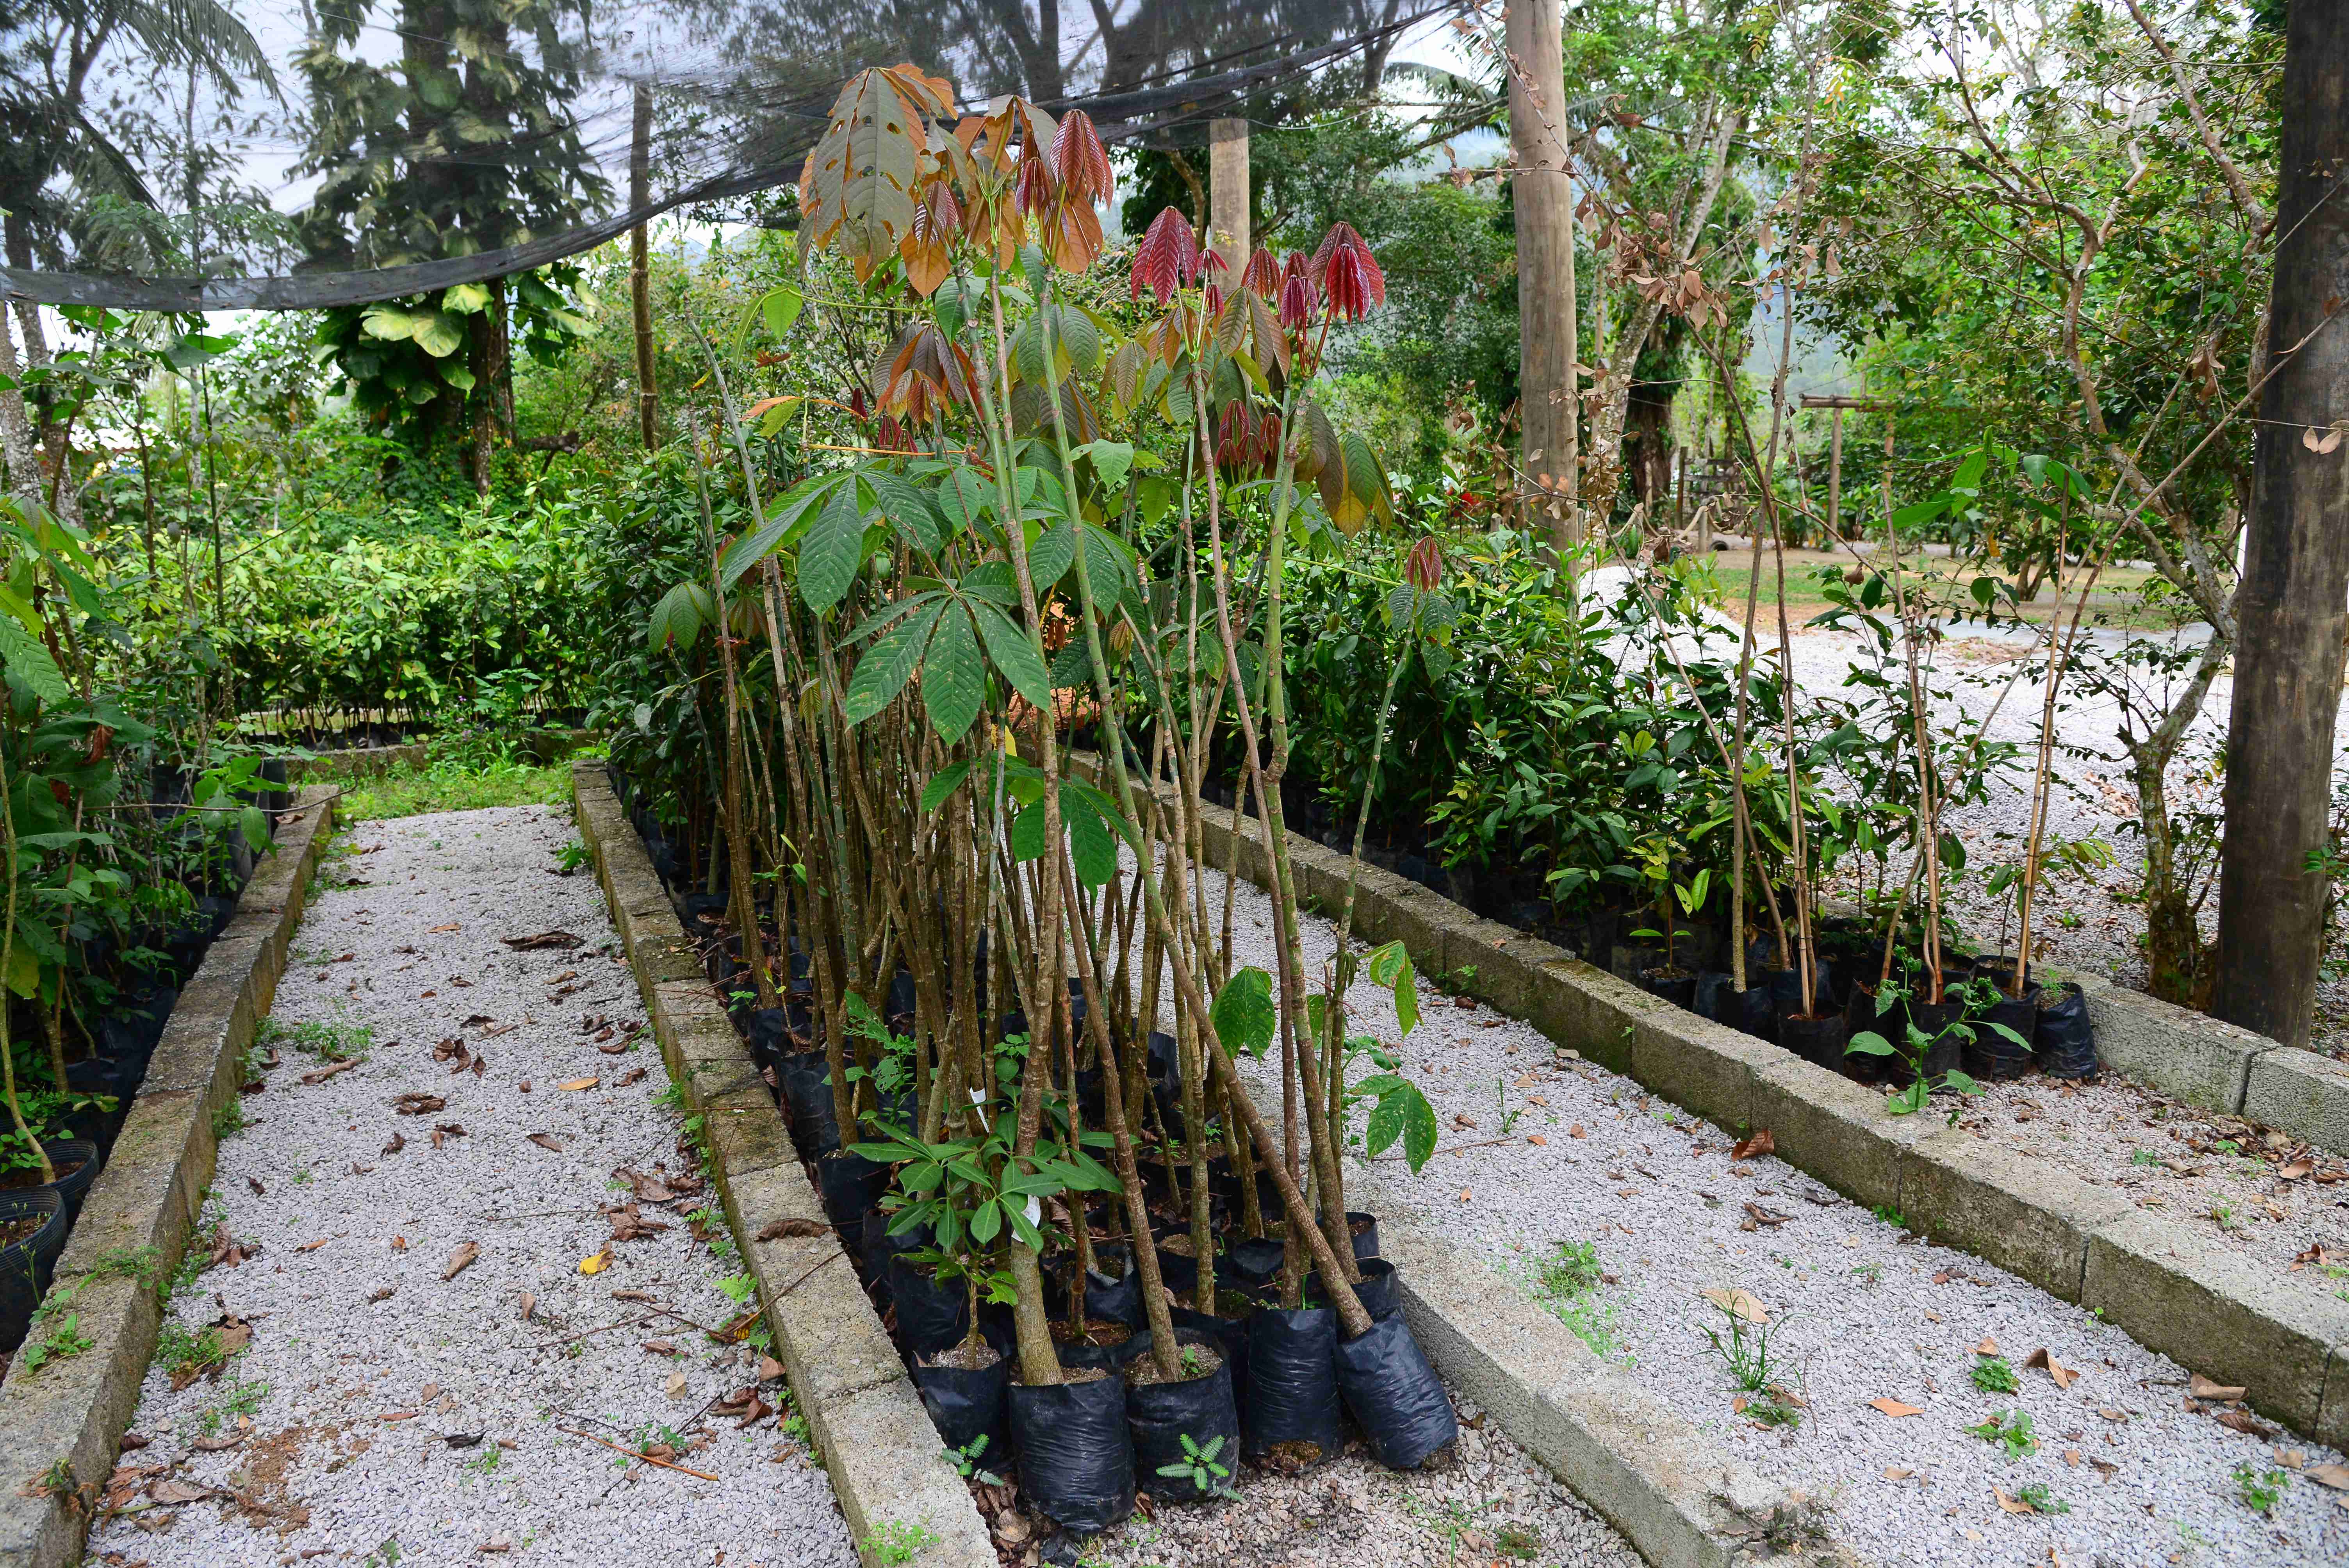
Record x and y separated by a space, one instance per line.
2281 1203
1859 1310
364 1359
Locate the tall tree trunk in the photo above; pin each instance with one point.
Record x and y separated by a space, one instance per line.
641 289
1227 194
2289 609
16 424
1547 391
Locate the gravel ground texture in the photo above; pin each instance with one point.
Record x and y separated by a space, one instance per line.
455 1242
1621 1210
2284 1204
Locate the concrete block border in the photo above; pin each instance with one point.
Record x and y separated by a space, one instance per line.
61 1427
1676 1493
548 746
862 1413
2195 1303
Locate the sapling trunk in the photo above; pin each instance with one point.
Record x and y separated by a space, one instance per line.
8 956
2057 659
1145 1254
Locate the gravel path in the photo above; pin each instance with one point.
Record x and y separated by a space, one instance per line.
1860 1311
426 1342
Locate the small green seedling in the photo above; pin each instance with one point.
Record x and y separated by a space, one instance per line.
895 1543
1199 1467
2039 1500
2012 1432
2260 1490
966 1458
1992 1375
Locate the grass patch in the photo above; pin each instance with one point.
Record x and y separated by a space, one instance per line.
189 1353
327 1042
1566 1283
449 786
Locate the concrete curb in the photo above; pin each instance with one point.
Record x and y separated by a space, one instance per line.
2173 1293
1678 1495
549 747
866 1419
141 1212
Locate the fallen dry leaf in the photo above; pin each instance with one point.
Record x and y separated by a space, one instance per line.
631 1075
1988 1346
399 1142
1895 1409
1753 1148
563 939
1738 1303
770 1369
1463 1194
596 1262
661 1346
2244 1421
1576 1132
171 1490
323 1074
2201 1388
1761 1216
1535 1137
1897 1472
2063 1375
416 1103
675 1385
529 1306
453 925
2335 1476
2009 1504
2295 1170
547 1141
461 1260
628 1223
781 1228
580 1083
384 1293
313 1246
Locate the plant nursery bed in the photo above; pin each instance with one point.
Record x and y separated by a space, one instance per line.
1481 1494
1701 1264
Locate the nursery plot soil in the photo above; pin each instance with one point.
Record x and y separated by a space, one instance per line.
2282 1204
442 1329
1493 1504
1860 1311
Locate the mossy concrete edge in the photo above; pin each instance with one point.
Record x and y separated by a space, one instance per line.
61 1428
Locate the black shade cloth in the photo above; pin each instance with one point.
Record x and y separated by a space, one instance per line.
227 154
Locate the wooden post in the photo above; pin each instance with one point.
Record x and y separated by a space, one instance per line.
1548 394
2293 598
640 270
1834 474
1227 194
